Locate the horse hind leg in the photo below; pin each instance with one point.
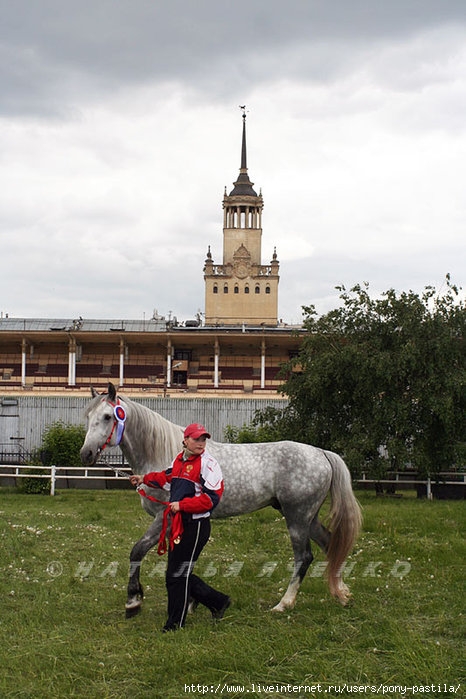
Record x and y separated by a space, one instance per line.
321 535
299 535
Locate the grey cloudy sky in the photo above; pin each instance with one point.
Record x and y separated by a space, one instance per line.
120 129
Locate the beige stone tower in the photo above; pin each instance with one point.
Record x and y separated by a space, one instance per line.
241 290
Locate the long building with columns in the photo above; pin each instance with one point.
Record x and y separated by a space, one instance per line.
236 351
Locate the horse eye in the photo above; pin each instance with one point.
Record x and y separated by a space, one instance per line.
107 417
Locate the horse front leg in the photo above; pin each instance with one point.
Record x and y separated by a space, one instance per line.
139 550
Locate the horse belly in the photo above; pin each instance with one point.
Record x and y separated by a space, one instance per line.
233 506
243 495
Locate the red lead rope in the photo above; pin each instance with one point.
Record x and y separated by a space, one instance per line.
176 529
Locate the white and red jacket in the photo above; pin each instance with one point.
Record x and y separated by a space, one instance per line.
195 481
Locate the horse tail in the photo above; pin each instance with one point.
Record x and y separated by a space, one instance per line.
345 523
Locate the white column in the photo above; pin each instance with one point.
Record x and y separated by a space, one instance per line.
122 361
216 363
169 364
263 365
23 363
72 362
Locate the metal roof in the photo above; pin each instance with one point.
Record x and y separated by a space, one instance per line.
81 324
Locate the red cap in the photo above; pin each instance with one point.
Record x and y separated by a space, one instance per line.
195 431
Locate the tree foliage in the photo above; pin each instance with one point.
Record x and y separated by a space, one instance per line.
381 381
61 444
268 425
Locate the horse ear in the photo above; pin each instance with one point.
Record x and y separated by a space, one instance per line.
94 392
111 391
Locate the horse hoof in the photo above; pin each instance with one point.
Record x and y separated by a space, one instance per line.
132 612
343 595
278 608
133 607
192 606
346 600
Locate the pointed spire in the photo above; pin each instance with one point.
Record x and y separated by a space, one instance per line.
244 165
243 184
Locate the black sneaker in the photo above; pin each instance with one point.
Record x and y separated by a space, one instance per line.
219 613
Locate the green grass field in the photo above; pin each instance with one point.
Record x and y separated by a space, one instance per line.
63 631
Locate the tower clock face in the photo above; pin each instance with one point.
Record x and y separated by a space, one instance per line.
241 271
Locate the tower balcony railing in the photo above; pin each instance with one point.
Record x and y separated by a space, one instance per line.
256 271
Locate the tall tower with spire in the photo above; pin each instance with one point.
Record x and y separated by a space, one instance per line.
242 289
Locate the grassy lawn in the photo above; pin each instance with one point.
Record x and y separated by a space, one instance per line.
63 632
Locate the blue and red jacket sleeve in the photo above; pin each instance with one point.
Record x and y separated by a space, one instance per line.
198 504
157 479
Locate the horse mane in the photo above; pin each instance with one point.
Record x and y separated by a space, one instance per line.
158 440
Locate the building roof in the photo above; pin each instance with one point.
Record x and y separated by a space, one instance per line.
81 324
160 324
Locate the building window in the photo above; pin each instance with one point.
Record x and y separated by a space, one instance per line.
257 290
225 289
246 290
215 289
236 289
182 354
267 289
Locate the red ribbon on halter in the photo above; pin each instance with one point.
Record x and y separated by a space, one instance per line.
176 529
119 419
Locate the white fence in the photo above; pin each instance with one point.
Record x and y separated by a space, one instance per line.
105 472
408 480
57 473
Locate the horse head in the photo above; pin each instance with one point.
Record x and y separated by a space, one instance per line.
105 424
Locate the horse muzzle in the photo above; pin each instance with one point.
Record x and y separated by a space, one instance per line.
89 457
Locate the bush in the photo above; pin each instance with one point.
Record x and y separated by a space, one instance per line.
61 445
34 486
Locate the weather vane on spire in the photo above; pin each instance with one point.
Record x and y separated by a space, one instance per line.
243 107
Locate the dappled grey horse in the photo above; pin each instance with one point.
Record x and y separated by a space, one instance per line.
292 477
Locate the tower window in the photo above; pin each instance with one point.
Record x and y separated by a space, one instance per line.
236 289
267 289
246 290
225 289
215 289
257 290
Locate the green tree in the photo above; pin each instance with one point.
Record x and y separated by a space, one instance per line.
381 381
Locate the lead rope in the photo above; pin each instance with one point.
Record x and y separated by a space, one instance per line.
176 529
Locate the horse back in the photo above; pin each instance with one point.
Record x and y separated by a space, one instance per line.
271 473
